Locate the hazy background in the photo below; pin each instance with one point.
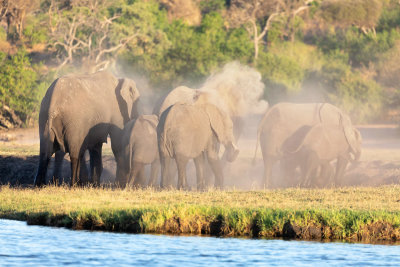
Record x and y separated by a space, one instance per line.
341 51
255 53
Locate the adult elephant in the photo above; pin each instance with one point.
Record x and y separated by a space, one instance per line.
139 147
190 131
183 94
77 114
321 145
283 119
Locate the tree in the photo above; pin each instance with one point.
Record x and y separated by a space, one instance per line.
88 34
250 13
364 14
19 88
15 12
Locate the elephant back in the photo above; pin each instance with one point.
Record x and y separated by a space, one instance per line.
184 129
180 94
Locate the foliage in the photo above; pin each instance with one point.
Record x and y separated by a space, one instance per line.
329 43
362 13
19 85
358 95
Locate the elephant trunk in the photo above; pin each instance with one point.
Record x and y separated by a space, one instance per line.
357 155
231 152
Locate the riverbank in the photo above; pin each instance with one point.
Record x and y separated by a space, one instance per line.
357 214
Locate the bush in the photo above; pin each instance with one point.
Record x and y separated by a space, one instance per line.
357 95
19 85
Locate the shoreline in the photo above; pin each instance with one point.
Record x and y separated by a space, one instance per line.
344 241
215 215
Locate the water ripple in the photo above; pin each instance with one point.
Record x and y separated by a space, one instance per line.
36 245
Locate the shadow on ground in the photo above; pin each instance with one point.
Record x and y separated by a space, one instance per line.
21 170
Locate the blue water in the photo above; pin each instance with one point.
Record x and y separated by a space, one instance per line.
23 245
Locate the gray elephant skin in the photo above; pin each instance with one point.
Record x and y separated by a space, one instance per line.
139 147
193 131
283 119
321 145
77 114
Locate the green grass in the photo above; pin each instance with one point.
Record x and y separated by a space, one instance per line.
346 213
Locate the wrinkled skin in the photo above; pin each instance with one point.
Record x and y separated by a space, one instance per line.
77 114
140 147
321 145
194 132
282 120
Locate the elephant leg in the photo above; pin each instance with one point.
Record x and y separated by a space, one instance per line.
288 172
165 170
40 178
155 169
208 175
75 170
96 164
46 151
311 167
268 164
340 169
181 162
58 163
83 171
173 170
326 175
199 163
216 167
121 175
133 175
138 180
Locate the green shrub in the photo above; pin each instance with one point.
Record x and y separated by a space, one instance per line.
19 85
358 95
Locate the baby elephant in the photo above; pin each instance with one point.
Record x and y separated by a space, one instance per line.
319 146
139 147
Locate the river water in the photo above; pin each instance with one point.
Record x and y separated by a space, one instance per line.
23 245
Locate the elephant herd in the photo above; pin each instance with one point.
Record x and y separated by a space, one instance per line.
79 112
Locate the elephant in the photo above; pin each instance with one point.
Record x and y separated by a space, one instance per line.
283 119
77 113
183 94
194 131
321 145
140 147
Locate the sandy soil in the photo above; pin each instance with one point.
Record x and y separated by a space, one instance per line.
379 164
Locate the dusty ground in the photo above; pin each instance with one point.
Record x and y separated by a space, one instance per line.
379 164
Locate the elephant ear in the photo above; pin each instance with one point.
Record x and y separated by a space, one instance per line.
220 123
130 95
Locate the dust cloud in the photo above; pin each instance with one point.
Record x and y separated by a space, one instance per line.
239 89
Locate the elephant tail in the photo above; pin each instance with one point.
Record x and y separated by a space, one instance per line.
55 129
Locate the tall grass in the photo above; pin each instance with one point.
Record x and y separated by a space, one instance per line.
346 213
